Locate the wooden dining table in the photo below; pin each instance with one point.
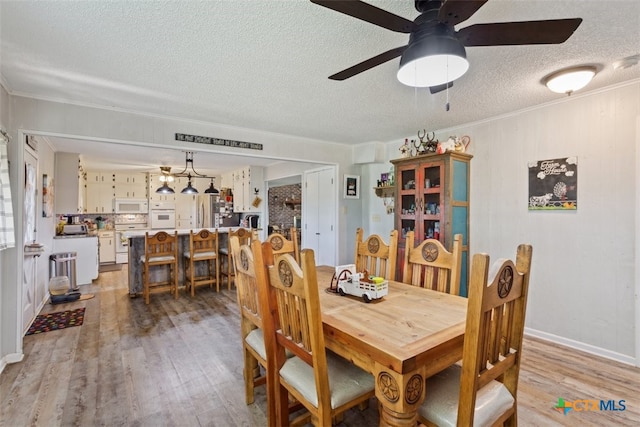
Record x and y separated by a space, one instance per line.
402 339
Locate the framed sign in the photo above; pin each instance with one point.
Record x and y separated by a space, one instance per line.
553 184
351 187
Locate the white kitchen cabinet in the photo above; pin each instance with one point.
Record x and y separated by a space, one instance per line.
107 246
86 249
100 177
69 183
185 210
100 192
245 182
130 185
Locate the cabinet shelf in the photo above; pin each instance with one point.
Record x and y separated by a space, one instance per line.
387 191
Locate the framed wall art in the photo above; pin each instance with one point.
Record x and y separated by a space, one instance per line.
351 187
553 184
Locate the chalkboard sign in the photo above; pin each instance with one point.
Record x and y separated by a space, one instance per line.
553 184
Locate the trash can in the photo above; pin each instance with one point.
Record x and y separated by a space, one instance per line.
64 264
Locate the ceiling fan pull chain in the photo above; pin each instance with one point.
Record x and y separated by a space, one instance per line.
446 85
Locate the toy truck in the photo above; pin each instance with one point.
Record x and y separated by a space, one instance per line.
361 285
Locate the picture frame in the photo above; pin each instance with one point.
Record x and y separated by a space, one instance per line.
351 186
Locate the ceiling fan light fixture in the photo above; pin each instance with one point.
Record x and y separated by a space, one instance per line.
433 61
570 79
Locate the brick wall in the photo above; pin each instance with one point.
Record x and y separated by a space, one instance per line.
282 214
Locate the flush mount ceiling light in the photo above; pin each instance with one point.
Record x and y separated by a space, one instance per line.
188 172
570 79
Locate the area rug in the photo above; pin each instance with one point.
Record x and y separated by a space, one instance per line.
54 321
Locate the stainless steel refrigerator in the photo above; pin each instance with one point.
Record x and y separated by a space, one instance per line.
213 213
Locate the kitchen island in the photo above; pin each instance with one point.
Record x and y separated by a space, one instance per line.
136 251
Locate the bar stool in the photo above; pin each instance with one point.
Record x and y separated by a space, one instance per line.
160 249
203 247
226 258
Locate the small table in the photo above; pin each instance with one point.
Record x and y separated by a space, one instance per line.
402 339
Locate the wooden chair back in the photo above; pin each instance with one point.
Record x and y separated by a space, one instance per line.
203 244
159 247
281 245
294 323
431 266
494 329
375 256
243 234
246 283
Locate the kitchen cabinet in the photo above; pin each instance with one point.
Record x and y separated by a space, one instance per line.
130 185
185 211
245 182
68 176
100 198
432 199
86 249
106 238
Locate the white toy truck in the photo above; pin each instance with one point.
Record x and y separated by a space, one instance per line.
351 282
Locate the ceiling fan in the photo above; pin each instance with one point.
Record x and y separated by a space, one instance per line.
435 55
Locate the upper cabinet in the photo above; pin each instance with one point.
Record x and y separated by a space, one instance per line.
432 199
69 181
248 183
100 192
130 185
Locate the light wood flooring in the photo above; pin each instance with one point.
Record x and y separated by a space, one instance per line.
179 363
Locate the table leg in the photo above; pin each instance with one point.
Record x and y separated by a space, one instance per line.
400 395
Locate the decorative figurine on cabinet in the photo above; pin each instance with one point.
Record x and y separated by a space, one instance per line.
405 150
350 282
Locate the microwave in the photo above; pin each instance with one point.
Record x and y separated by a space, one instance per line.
131 206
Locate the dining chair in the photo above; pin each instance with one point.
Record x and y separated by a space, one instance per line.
429 265
253 348
203 248
324 383
375 256
281 245
160 250
226 258
482 390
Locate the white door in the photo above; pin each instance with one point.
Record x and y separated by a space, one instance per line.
319 218
29 266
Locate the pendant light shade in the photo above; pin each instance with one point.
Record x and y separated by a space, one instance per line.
165 189
211 189
433 61
189 188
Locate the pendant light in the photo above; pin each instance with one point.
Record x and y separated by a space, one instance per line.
212 189
188 172
165 178
189 189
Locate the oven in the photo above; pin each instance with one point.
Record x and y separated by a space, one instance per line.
162 215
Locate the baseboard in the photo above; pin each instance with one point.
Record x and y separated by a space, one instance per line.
587 348
10 358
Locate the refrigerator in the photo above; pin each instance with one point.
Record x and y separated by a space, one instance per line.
212 212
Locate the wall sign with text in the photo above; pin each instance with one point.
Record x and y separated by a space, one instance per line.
553 184
217 141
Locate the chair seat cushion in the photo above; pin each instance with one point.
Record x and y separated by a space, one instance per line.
157 258
346 380
255 340
224 251
441 403
198 255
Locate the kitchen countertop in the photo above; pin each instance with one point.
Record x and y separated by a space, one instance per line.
141 233
74 236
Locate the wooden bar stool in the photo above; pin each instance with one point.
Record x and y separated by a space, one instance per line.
226 258
160 249
203 247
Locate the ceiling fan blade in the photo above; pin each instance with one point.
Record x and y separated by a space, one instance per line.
516 33
440 88
369 63
369 13
453 12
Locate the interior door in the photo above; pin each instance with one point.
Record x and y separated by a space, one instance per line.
319 219
29 266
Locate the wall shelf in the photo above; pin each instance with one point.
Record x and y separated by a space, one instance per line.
292 203
388 191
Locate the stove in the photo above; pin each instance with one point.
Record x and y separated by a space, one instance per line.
125 223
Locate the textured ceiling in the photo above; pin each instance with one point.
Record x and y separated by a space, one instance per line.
264 64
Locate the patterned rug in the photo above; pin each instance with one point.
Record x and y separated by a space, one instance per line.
54 321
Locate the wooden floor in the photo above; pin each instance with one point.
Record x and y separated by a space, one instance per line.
179 363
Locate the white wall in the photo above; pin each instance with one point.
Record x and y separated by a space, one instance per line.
583 290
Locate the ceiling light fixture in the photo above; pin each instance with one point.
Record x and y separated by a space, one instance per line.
570 79
433 59
189 172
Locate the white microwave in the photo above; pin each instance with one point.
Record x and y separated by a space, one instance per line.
131 206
